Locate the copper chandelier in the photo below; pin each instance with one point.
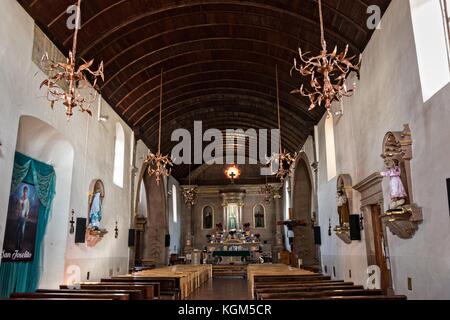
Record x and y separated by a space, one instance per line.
159 165
66 75
190 193
284 159
325 73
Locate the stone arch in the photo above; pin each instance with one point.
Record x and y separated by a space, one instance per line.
151 226
43 142
304 247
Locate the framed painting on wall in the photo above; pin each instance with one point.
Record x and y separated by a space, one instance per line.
21 225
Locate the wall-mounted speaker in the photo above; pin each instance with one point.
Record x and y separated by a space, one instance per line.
317 236
131 237
167 241
80 231
355 228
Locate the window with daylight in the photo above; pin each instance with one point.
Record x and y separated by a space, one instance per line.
330 148
174 204
119 156
430 20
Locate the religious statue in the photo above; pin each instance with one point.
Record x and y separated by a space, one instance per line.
207 218
343 209
232 222
259 217
95 214
397 190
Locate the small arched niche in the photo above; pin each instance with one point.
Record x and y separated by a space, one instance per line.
259 216
344 204
207 217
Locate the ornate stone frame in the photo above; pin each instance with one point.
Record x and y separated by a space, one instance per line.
404 221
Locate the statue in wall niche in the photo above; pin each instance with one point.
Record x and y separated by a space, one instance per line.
95 214
397 190
343 209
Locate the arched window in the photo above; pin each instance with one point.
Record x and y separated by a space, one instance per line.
174 204
119 156
430 25
207 217
287 200
259 216
330 148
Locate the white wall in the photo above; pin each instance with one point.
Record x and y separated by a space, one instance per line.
388 96
92 142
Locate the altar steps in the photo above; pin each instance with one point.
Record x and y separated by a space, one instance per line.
232 271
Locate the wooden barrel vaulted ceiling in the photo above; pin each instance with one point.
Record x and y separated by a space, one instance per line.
219 58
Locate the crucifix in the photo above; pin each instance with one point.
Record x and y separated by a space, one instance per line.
291 224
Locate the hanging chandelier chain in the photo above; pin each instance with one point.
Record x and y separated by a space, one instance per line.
322 30
278 105
160 111
77 27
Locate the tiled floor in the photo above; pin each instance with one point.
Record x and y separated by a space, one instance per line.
222 289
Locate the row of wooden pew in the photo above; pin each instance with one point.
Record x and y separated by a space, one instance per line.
312 287
174 283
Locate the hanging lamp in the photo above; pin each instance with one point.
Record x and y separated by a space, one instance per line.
326 73
63 75
283 160
190 193
159 165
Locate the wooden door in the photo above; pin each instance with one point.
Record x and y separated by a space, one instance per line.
378 237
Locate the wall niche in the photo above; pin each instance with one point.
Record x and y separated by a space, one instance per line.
404 216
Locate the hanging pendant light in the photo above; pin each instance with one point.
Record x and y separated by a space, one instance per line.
159 165
268 191
283 161
190 193
325 73
66 75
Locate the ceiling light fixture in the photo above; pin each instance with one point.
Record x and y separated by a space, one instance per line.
66 75
326 73
159 165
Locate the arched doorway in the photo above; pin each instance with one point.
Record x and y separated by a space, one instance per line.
304 247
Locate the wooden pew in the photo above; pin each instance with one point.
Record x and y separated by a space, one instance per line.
149 291
351 298
169 288
300 283
318 294
289 278
133 294
73 296
306 289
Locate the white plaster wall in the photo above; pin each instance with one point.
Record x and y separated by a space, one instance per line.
93 145
389 96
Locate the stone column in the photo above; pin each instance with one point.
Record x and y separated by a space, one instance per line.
278 241
188 238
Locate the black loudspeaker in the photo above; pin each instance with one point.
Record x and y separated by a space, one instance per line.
448 193
167 240
355 229
317 236
80 231
131 237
